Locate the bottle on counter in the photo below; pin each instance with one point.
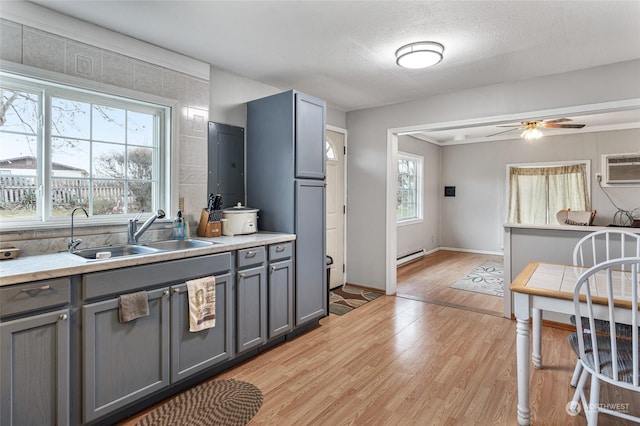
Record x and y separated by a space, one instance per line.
179 228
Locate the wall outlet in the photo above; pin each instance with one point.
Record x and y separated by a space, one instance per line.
599 177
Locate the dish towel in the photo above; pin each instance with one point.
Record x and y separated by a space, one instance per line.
202 303
132 306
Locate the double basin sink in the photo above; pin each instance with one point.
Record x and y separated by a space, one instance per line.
122 250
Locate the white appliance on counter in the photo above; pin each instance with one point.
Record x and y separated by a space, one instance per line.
239 220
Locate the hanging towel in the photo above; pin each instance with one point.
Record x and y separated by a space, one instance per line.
202 303
132 306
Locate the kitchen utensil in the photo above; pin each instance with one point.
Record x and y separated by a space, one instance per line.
240 220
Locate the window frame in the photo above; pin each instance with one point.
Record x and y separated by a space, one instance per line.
99 93
419 218
560 163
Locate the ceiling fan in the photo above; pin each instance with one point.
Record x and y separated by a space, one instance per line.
530 129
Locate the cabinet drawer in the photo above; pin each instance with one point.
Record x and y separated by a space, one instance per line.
251 256
34 296
125 280
280 251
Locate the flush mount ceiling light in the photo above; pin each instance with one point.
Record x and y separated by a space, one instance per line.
421 54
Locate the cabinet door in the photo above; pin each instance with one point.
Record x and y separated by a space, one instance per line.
34 367
226 163
193 352
123 362
310 137
280 298
310 272
251 308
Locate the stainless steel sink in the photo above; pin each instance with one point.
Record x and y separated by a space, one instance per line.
178 244
116 251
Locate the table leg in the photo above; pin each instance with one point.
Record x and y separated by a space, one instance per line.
536 356
521 302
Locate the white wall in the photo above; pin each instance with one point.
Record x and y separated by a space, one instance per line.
367 162
426 234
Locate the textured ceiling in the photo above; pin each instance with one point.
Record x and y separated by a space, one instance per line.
343 51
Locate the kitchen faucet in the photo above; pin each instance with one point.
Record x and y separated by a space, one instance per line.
134 233
73 243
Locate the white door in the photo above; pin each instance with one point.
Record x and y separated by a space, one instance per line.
335 206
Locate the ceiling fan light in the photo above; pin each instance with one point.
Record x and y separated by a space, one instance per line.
421 54
531 133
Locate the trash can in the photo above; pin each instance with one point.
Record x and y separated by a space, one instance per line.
329 262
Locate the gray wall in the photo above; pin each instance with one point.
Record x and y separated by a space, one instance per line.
230 93
367 162
475 218
424 235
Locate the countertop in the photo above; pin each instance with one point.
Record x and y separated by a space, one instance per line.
33 268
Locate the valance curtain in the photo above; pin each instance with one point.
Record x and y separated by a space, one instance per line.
536 194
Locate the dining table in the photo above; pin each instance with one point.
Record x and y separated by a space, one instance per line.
549 287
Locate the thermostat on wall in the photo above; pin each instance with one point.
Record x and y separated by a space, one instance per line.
449 191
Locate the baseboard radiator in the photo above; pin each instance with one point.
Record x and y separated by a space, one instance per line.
410 257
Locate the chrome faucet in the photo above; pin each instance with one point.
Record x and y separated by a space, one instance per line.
73 243
133 233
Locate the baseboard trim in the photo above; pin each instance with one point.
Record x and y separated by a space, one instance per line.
495 253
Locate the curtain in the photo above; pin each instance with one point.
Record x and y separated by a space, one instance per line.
536 194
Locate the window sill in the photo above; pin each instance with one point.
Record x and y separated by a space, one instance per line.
409 222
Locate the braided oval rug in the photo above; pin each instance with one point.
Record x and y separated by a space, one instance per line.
218 402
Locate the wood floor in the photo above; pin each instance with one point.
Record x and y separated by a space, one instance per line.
430 277
401 361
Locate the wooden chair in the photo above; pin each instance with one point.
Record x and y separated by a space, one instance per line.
595 248
613 357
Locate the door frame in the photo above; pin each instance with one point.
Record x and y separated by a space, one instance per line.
344 201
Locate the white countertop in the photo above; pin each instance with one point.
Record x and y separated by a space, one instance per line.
33 268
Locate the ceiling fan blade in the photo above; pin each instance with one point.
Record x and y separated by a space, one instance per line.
499 133
511 125
562 126
557 120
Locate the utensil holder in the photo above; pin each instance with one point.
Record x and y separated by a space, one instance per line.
209 229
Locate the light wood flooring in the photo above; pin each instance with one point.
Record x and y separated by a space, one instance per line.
398 361
429 279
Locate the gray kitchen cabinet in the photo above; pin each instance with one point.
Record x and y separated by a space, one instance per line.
123 362
192 352
34 367
280 291
251 299
226 163
285 179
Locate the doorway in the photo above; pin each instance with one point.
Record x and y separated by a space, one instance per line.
336 205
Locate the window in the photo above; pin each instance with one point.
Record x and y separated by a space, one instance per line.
409 190
538 192
63 147
330 151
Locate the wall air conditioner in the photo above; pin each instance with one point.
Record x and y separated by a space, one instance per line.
621 168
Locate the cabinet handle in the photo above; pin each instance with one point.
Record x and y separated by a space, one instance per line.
251 254
279 249
176 290
241 276
63 317
273 268
36 289
165 293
